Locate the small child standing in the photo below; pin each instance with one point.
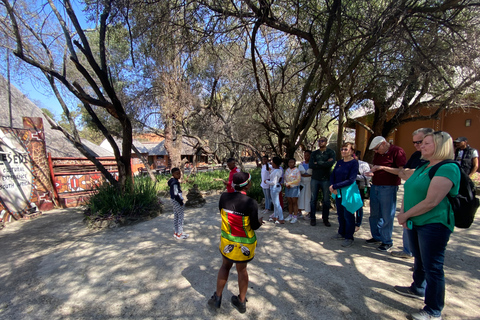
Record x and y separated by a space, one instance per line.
292 189
177 203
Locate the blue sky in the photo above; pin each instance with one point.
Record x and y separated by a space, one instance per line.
31 87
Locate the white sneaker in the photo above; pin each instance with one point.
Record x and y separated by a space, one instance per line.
423 315
181 236
289 217
294 219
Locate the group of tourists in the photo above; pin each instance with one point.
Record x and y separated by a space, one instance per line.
426 213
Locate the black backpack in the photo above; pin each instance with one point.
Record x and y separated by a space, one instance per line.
465 204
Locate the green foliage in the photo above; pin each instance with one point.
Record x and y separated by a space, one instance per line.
48 113
256 191
108 203
205 181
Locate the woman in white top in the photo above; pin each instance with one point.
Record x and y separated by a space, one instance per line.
363 182
266 168
305 190
275 189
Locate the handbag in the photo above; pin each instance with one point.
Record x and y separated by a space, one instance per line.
367 193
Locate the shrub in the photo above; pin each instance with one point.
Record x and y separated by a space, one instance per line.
205 181
256 191
476 179
108 204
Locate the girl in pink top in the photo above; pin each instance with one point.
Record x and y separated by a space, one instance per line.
292 190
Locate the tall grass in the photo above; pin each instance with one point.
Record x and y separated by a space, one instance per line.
206 182
108 203
255 190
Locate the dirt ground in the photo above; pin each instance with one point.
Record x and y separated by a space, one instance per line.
54 268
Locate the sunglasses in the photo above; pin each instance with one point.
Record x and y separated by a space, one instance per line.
344 149
418 142
322 140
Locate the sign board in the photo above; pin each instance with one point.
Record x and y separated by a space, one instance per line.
16 176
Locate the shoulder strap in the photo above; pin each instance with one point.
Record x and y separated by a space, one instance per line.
434 169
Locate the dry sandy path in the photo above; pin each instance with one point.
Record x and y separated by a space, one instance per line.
54 268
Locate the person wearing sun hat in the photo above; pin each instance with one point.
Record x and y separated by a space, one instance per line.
466 156
238 240
387 162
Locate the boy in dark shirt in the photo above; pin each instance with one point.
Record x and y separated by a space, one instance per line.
177 203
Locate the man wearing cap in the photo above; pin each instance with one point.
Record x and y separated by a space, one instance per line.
321 162
387 162
466 156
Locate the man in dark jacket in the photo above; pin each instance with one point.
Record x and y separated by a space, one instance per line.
466 156
321 162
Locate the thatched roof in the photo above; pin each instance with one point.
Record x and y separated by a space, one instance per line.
57 144
159 148
140 147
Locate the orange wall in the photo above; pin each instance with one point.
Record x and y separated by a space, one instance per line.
404 134
452 122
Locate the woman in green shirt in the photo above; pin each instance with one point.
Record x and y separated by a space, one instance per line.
427 207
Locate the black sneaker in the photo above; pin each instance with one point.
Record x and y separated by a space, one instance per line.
385 247
313 222
406 291
372 241
326 223
240 306
215 301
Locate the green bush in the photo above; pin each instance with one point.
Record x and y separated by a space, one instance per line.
256 191
107 203
205 181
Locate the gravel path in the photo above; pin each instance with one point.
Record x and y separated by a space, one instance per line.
54 268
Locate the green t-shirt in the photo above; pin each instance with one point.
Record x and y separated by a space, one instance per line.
416 188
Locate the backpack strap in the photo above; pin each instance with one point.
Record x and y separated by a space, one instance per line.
434 169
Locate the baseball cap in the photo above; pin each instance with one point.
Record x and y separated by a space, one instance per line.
376 141
460 139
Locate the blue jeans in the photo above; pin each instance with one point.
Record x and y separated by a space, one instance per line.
277 208
429 243
383 201
346 220
316 185
359 217
407 247
268 200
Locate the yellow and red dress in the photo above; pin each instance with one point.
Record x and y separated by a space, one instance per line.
239 220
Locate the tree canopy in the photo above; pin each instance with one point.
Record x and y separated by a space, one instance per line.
268 76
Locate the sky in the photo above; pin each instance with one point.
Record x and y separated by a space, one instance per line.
36 92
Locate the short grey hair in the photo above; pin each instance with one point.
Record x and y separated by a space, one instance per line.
425 131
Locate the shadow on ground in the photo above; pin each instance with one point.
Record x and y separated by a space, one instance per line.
54 268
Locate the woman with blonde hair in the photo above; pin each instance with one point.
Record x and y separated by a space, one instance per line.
427 214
